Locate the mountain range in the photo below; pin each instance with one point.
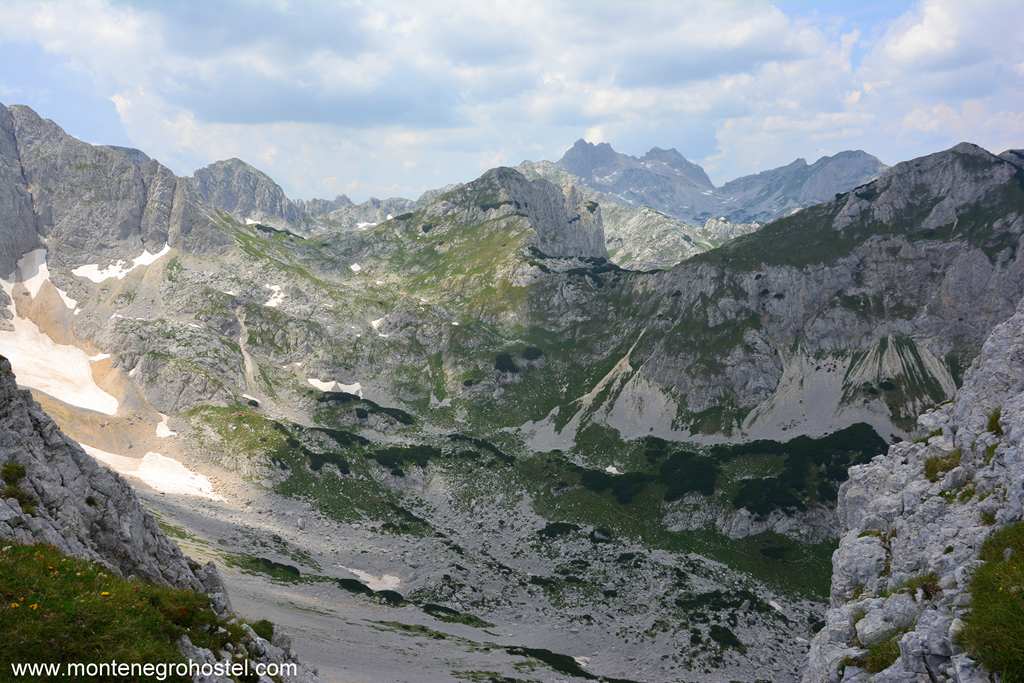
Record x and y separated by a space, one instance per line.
458 422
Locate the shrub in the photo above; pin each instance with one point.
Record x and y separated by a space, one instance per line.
879 656
264 629
503 362
928 583
12 473
994 425
938 465
988 518
994 628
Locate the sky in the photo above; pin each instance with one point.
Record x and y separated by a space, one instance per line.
394 98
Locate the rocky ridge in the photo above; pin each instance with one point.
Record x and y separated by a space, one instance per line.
666 181
913 522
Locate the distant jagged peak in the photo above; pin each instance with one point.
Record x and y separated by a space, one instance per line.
672 158
584 158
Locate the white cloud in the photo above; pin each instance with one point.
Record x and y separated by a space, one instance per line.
398 97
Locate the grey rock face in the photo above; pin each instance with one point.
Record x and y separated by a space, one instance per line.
17 221
94 203
246 193
899 525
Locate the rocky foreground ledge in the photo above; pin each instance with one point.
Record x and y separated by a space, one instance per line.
54 494
919 524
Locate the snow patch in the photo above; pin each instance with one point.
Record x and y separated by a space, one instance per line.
355 388
384 582
276 296
364 226
34 273
375 324
157 471
119 270
163 430
355 267
612 469
60 370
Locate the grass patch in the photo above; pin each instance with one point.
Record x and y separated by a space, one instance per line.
12 473
879 656
928 583
938 465
994 628
994 425
277 571
57 608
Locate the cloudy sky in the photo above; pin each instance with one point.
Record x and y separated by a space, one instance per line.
392 98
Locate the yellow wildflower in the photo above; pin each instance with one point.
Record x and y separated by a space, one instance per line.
104 594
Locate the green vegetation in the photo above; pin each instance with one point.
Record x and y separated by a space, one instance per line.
938 465
994 425
12 473
264 629
994 627
635 509
878 657
61 609
725 638
927 583
277 571
811 472
346 491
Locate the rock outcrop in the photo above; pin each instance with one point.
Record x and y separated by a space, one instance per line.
913 522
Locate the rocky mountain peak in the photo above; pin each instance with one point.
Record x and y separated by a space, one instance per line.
934 189
246 193
566 224
672 158
584 158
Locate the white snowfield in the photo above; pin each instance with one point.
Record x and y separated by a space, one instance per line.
384 582
355 388
33 273
276 296
157 471
60 370
163 430
119 270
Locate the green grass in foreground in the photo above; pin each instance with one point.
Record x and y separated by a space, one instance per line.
995 625
60 609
